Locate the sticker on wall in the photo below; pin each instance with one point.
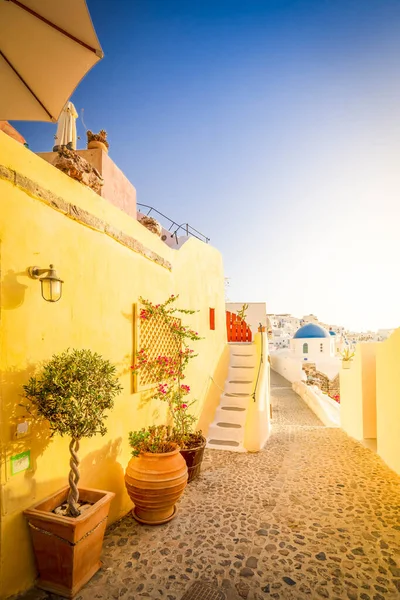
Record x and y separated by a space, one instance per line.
20 462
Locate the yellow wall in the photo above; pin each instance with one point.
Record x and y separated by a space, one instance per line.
358 394
388 400
369 389
258 421
103 279
351 398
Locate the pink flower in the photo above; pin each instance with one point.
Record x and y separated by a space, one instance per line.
184 405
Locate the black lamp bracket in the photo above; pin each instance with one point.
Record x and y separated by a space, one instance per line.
36 272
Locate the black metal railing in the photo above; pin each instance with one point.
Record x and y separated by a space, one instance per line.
174 227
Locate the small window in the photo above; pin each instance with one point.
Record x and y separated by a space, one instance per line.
305 348
212 319
321 347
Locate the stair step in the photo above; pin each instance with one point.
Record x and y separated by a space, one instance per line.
234 434
236 416
239 387
224 443
241 402
227 431
241 350
219 445
241 362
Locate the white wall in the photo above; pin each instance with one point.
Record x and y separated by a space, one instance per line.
286 365
326 409
291 367
314 348
329 366
255 314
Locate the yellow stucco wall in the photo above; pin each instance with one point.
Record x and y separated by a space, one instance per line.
358 394
103 279
369 389
388 400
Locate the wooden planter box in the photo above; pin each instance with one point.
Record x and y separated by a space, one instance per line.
68 549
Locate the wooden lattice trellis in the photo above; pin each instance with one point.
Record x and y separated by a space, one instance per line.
154 336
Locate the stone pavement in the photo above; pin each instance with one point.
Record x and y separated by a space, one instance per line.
314 515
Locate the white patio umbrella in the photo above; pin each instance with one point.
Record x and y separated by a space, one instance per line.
46 48
66 129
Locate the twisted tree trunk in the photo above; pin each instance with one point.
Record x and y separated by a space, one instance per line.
73 496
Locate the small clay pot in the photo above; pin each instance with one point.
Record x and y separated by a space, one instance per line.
93 144
155 482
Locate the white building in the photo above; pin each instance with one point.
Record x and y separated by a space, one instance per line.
311 343
310 319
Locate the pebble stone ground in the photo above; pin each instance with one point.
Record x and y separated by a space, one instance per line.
314 515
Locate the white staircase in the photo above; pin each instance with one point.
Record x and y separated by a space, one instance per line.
227 430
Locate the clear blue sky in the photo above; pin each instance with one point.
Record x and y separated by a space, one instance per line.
273 126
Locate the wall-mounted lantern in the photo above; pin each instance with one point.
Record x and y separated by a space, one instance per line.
51 284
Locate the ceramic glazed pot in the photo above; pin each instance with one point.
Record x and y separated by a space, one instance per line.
155 482
68 549
193 458
96 144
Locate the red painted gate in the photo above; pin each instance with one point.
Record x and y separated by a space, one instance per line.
237 329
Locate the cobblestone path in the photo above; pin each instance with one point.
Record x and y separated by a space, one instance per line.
314 515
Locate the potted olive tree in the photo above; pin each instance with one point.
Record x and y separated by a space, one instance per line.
156 475
168 372
72 392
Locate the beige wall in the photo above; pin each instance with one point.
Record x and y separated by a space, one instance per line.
388 400
105 269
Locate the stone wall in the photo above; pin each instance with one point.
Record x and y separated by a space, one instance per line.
115 186
326 385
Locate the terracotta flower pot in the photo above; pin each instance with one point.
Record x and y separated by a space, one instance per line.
68 549
155 482
93 144
193 458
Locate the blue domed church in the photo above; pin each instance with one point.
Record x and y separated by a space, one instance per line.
312 343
